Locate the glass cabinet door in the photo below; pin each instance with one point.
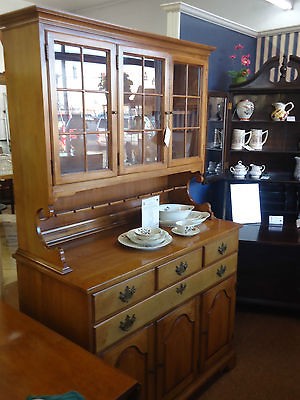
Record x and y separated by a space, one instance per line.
216 122
186 112
142 91
82 96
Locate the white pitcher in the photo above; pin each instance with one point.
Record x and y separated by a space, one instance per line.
239 139
258 139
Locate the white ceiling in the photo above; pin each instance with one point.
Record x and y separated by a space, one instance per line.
258 15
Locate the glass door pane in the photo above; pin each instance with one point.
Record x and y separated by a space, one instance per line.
186 111
82 78
143 109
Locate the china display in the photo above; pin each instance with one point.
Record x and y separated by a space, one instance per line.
281 111
263 131
244 109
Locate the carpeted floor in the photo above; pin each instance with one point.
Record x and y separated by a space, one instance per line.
268 360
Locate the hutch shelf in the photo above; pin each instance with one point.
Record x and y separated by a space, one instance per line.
264 275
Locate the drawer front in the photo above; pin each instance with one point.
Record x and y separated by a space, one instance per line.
220 248
120 296
179 268
127 321
220 270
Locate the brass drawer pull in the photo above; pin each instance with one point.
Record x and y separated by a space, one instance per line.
181 268
127 294
181 288
222 248
127 323
221 271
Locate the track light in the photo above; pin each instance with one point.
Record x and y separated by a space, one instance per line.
283 4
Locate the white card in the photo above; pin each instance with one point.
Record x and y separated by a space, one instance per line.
167 136
150 212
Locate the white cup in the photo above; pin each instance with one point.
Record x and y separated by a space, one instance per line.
258 139
184 227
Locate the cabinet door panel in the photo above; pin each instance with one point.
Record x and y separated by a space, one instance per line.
135 356
177 350
83 94
217 321
143 101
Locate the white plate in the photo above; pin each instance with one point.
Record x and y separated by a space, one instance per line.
193 232
195 218
123 239
146 241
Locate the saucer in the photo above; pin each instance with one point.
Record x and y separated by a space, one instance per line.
193 232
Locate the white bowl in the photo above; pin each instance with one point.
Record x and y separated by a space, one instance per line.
174 212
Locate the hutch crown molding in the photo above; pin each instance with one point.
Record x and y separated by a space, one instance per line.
102 116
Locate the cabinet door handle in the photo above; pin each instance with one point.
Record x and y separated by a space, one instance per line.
222 248
221 270
181 288
127 294
181 268
127 323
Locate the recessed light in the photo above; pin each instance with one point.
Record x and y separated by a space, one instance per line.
283 4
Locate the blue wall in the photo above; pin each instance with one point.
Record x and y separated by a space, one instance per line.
224 39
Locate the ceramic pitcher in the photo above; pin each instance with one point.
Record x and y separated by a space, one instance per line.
258 138
239 139
281 110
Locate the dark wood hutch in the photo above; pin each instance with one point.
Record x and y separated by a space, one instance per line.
140 104
269 272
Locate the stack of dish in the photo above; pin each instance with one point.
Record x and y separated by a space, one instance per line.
169 214
145 238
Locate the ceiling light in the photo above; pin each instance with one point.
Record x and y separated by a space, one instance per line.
283 4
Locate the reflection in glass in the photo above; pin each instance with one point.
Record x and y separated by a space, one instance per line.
95 69
133 74
178 143
133 147
193 112
67 67
153 109
192 143
83 96
193 81
179 85
186 111
151 147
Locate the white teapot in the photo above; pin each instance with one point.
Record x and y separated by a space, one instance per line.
239 170
256 171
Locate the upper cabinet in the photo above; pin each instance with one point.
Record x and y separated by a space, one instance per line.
116 102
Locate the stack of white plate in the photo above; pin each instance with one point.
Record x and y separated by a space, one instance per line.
145 238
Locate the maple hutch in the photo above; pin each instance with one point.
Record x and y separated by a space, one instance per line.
101 117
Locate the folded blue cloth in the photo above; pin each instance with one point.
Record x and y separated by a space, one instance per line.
66 396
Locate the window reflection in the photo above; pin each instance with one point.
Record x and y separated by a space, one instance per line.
143 109
83 97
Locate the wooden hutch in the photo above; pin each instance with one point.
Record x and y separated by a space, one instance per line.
101 117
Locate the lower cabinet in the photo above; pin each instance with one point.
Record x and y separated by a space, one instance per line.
217 322
168 356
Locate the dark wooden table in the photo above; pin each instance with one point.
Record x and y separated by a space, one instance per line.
37 361
269 266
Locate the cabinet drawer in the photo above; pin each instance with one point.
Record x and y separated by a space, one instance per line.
220 248
127 321
179 268
119 296
220 270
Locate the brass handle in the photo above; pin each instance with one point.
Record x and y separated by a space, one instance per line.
127 323
127 294
181 268
181 288
221 271
222 248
